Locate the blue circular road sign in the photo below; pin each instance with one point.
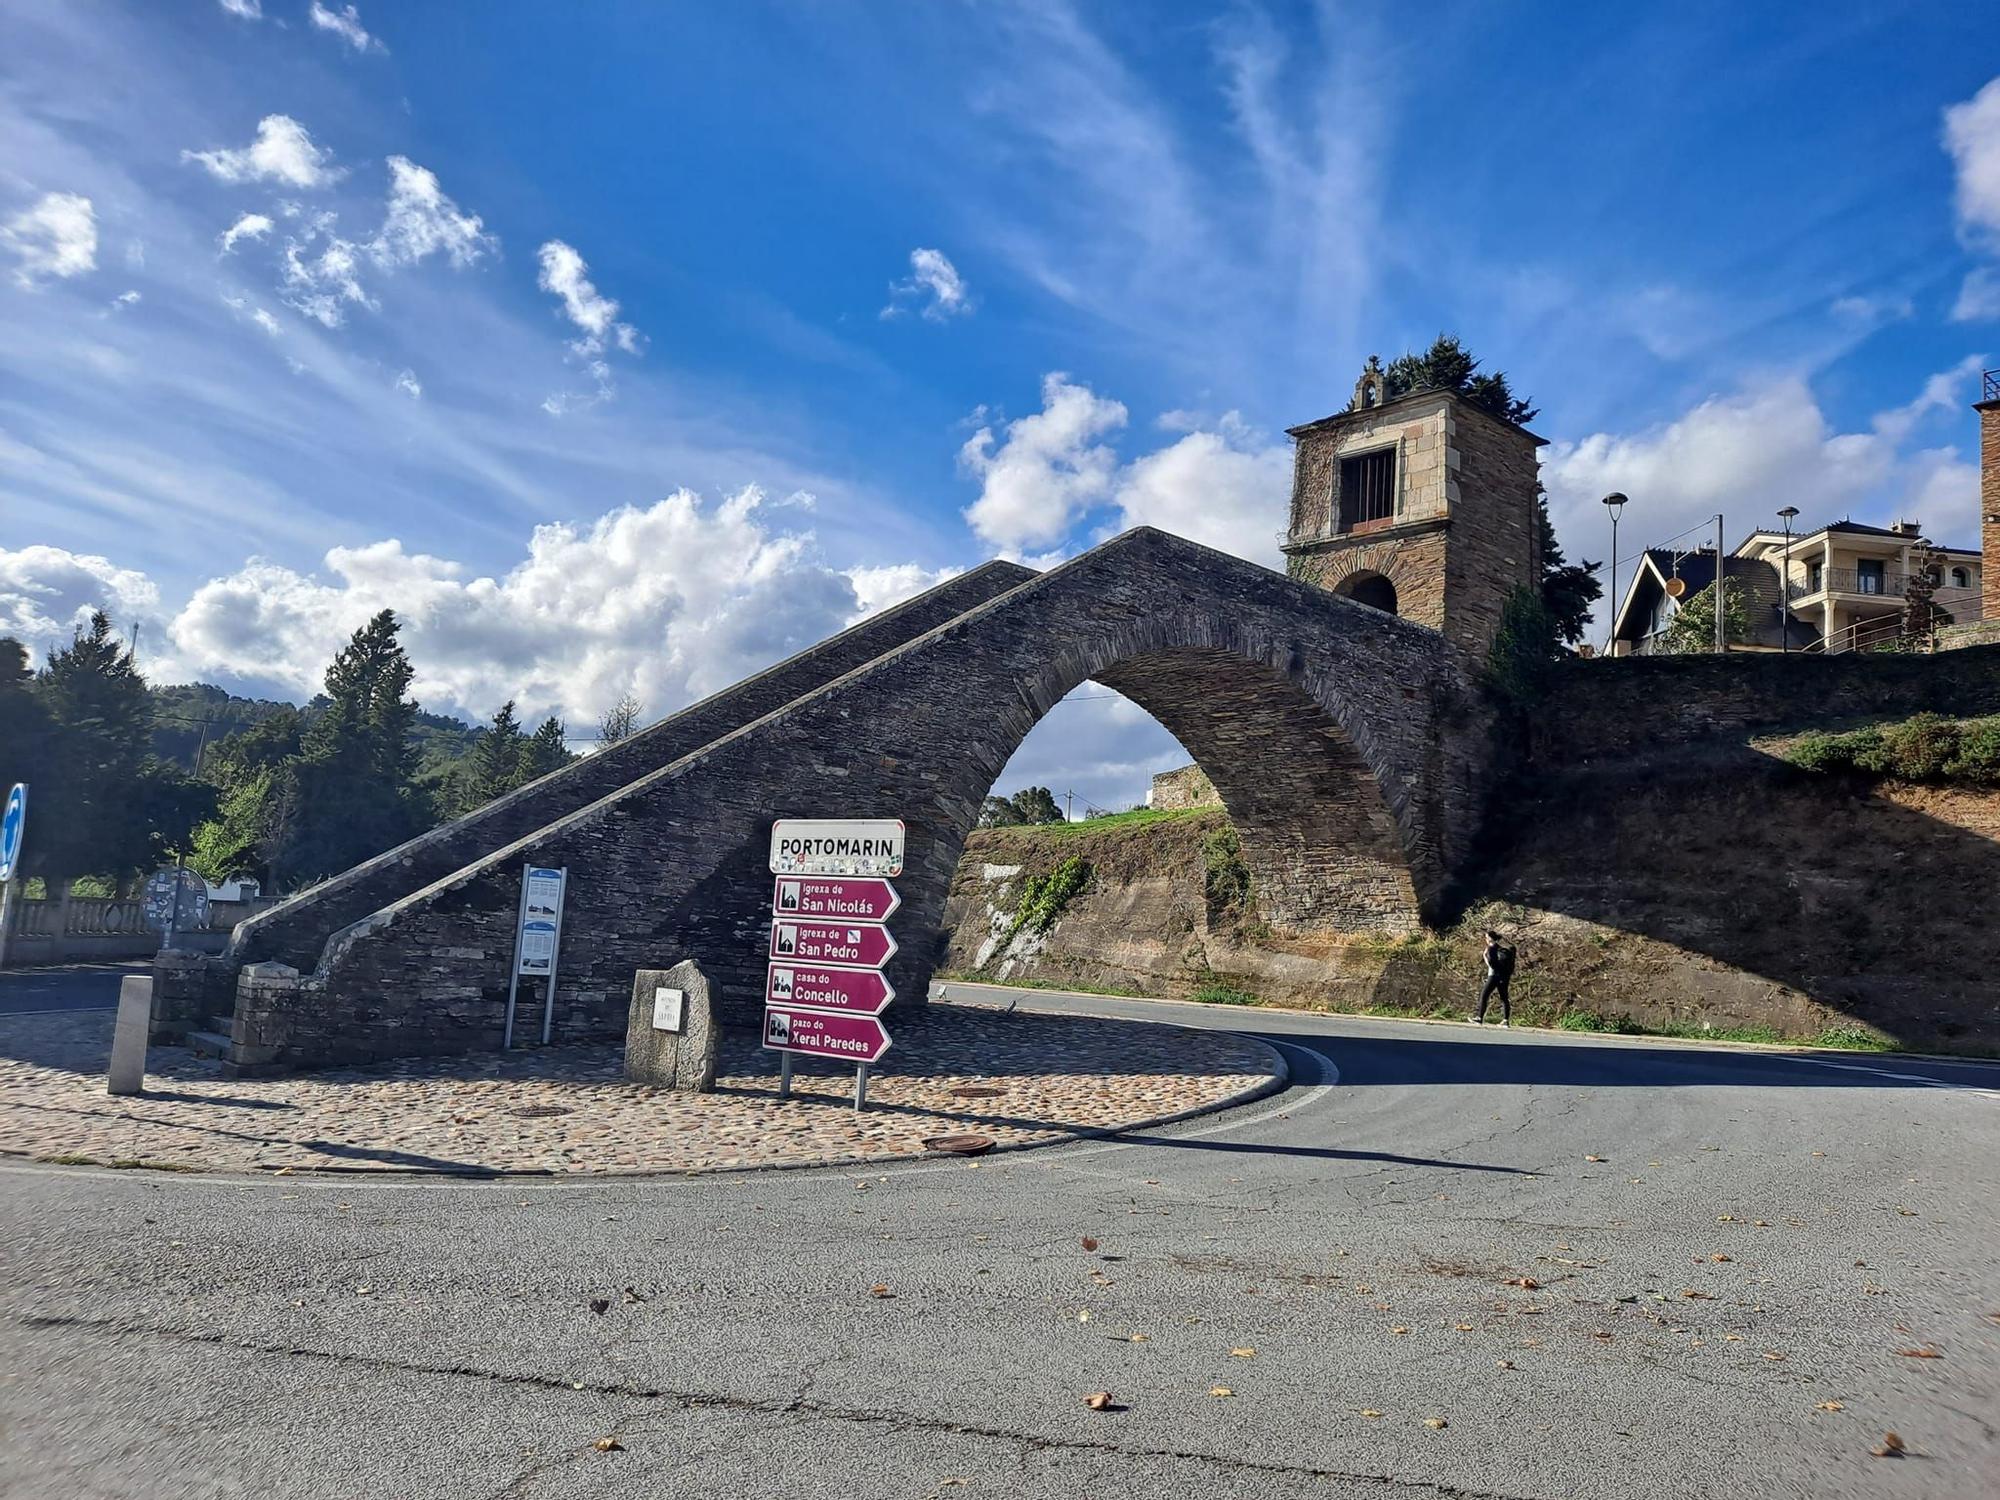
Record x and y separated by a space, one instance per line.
12 825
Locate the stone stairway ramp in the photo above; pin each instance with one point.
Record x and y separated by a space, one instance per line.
295 931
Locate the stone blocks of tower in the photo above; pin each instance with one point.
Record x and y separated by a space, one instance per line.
1423 504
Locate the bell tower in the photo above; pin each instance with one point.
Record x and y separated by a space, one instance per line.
1422 504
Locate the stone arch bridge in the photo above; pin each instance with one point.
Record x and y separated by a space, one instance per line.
1349 747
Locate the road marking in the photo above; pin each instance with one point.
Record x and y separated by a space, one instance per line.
1919 1078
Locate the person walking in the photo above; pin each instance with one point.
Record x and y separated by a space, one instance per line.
1499 975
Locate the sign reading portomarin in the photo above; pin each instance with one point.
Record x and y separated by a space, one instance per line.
837 846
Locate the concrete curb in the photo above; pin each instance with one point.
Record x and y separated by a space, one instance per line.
1277 1076
1961 1058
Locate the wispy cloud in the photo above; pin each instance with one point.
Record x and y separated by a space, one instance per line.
934 288
282 152
344 23
56 238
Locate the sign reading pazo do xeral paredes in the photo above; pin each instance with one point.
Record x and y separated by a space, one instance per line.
824 987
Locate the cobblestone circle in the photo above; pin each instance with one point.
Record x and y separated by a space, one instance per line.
955 1070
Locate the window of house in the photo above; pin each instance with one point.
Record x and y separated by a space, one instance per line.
1367 488
1960 578
1868 575
1814 575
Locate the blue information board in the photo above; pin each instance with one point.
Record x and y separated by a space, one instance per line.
13 824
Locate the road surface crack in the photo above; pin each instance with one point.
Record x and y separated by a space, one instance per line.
889 1417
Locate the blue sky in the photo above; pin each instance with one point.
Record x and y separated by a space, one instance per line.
306 309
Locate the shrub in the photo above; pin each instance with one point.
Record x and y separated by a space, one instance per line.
1215 992
1227 878
1853 1038
1919 748
1977 759
1044 896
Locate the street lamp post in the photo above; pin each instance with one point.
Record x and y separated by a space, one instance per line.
1614 502
1785 584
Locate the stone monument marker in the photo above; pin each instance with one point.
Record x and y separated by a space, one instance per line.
670 1034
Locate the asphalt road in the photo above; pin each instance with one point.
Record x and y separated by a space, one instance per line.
61 987
1443 1263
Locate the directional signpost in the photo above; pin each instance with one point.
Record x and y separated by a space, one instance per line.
824 987
172 895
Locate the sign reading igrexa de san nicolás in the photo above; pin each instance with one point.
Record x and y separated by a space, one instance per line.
857 898
824 986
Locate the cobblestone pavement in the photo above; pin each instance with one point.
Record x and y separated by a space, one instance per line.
960 1069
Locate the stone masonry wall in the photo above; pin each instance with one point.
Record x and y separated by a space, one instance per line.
1494 537
295 931
1289 698
1413 559
1187 787
1618 706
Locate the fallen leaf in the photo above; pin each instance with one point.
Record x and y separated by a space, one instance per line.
600 1305
1732 1338
1892 1446
1505 1364
1084 1316
1593 1158
1370 1412
632 1294
362 1291
1832 1406
1599 1333
1098 1400
1725 1218
1089 1243
880 1290
1772 1354
1244 1353
608 1445
1719 1258
1140 1338
1467 1327
1696 1296
1927 1352
1526 1283
1399 1328
1435 1423
1220 1390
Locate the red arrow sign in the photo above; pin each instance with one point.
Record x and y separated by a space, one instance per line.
856 1039
863 945
827 987
853 898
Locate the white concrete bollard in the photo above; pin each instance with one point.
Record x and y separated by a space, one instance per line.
128 1040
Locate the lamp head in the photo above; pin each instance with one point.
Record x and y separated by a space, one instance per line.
1616 501
1790 512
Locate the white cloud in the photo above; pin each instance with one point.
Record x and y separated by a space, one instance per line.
321 284
409 385
1050 468
1942 392
422 221
56 237
586 616
1972 136
1873 310
934 284
249 10
878 588
563 274
248 227
283 152
1223 486
46 593
243 307
124 300
1979 297
344 23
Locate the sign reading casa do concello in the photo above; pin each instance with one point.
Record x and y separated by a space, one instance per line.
824 986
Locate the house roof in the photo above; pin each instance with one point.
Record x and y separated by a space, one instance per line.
1851 528
1697 571
1422 393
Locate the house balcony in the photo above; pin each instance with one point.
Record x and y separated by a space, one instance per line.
1851 583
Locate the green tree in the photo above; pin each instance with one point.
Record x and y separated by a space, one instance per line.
1567 589
254 773
1923 616
356 766
89 820
547 750
1692 629
1037 804
25 726
1449 366
998 812
494 765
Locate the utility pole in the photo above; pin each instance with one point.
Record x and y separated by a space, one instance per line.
1069 806
1721 615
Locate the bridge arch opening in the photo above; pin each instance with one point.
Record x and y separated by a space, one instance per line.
1370 588
1315 829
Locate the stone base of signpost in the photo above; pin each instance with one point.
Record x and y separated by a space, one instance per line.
671 1043
127 1073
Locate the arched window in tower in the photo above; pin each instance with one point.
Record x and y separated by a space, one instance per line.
1369 588
1960 578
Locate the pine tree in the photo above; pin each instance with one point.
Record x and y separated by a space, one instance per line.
621 721
1037 804
494 765
1923 617
547 750
25 727
356 767
1449 366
